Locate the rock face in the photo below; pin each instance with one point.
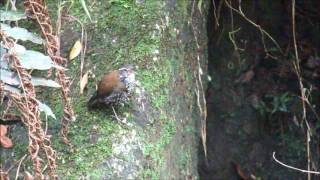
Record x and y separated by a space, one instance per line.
163 138
158 136
186 39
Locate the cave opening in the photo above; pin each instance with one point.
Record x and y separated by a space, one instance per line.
253 98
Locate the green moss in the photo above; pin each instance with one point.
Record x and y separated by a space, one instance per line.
183 8
183 160
156 83
20 148
122 32
156 148
123 35
87 156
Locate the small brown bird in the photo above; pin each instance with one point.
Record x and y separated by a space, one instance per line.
115 88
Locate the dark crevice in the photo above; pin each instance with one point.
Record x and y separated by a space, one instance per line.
241 139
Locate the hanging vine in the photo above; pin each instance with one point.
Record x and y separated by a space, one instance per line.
28 106
37 9
17 84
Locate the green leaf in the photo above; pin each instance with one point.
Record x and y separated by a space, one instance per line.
83 3
29 59
2 50
35 60
20 33
46 109
11 15
9 77
12 89
17 48
283 108
37 81
200 5
4 64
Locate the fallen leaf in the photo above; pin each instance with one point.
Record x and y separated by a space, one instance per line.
3 130
241 173
46 109
5 142
75 51
4 175
246 77
83 82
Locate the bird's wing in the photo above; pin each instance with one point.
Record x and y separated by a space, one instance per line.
108 83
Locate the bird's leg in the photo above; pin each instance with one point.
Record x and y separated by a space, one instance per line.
117 117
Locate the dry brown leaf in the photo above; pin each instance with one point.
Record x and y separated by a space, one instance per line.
76 50
83 82
5 142
241 173
4 176
3 130
246 77
28 176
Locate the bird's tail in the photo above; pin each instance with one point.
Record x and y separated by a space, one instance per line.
93 102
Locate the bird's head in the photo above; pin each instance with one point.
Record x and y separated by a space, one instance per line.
127 75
